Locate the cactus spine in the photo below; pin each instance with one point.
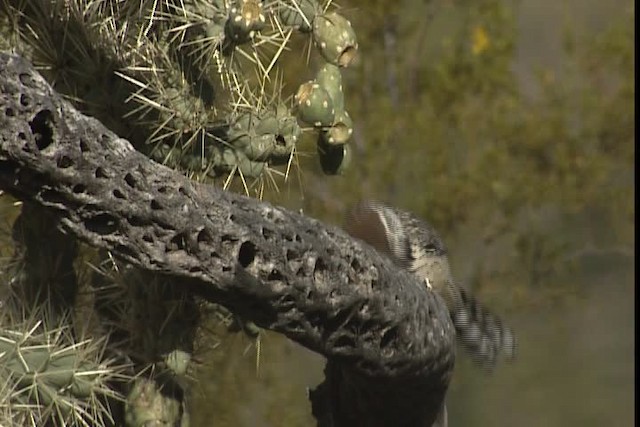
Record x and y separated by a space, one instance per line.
173 75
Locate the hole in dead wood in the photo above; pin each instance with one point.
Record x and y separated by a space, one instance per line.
162 189
275 275
268 234
26 79
388 337
344 341
319 266
42 129
9 112
52 196
291 255
136 222
84 147
101 173
204 236
79 188
25 100
247 253
338 320
64 162
155 205
119 194
147 238
287 301
22 135
183 191
178 242
126 252
130 180
102 224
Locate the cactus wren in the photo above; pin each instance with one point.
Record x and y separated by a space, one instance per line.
413 244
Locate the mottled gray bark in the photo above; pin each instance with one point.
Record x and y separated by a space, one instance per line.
388 340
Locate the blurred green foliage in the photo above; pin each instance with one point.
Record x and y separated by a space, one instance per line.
444 128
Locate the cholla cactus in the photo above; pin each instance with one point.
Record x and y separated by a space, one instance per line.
50 377
196 85
179 78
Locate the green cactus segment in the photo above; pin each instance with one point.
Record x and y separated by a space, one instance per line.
227 160
335 38
314 105
164 73
341 130
269 135
299 14
329 78
43 367
49 376
245 18
334 159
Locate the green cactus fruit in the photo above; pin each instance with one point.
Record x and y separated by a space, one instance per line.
341 130
245 18
334 159
335 39
300 14
314 105
329 78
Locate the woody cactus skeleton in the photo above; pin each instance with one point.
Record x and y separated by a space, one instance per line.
196 85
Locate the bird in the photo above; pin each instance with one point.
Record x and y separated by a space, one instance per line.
413 244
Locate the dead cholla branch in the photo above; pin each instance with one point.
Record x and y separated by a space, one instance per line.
389 342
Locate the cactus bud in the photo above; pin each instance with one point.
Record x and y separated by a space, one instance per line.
335 39
314 105
245 18
341 130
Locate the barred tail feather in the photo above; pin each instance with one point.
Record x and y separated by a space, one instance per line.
482 334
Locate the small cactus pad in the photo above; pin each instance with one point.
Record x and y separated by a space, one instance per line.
314 105
341 130
266 136
299 14
245 17
329 78
335 39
